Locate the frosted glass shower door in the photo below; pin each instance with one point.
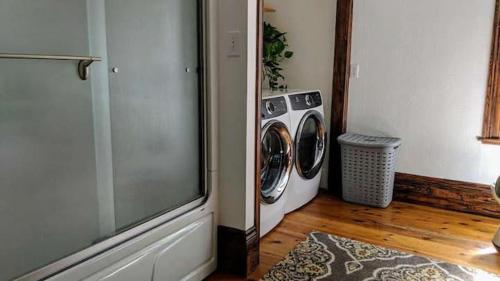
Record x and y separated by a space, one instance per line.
155 105
82 161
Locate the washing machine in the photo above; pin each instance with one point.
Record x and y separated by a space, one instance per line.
276 159
310 139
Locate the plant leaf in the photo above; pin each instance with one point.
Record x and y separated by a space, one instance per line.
275 51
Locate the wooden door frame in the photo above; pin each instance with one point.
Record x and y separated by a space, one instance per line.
340 91
491 121
258 100
258 120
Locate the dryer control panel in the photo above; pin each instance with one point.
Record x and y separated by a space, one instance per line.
306 100
273 107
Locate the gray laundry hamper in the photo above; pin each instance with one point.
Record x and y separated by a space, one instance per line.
368 166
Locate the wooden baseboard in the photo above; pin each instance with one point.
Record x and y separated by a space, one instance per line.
238 250
446 194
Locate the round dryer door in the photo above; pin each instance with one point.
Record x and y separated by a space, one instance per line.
310 145
276 161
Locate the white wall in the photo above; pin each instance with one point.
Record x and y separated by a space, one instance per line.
423 77
311 35
237 115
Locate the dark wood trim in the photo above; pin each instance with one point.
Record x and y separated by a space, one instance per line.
490 140
446 194
491 121
253 250
237 250
253 237
258 100
340 90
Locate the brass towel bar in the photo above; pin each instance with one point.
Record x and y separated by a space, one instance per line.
83 61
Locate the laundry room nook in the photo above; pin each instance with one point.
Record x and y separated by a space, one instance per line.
270 140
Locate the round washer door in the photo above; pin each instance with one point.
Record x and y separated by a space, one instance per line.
310 145
276 161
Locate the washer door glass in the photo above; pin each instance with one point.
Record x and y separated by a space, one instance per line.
310 145
276 161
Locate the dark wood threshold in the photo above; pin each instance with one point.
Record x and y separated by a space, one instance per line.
446 194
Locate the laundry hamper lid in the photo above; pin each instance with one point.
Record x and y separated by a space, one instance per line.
369 141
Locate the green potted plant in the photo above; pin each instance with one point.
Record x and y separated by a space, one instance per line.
275 51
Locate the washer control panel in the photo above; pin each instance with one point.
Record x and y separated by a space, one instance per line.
273 107
305 101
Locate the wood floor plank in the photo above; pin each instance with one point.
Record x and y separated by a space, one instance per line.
445 235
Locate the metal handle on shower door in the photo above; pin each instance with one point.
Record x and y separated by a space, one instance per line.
84 62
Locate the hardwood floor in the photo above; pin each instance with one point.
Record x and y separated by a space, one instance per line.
449 236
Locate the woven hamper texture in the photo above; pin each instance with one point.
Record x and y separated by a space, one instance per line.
368 171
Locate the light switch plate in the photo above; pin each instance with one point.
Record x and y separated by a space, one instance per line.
233 44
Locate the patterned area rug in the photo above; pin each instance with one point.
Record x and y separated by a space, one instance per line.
328 257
